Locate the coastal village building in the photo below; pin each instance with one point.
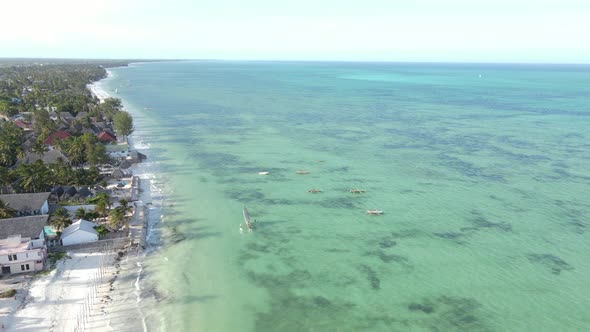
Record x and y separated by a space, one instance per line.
82 231
107 137
27 204
117 151
22 243
22 254
49 157
52 139
23 125
30 226
66 118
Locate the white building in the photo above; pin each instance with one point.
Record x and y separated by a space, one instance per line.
117 151
82 231
19 255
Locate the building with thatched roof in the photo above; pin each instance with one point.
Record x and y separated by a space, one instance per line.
27 204
49 157
31 226
84 192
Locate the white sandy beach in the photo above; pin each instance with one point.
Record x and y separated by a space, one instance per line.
57 301
97 90
86 292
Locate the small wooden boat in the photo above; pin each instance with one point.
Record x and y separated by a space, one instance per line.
314 191
302 172
263 173
357 191
247 219
374 212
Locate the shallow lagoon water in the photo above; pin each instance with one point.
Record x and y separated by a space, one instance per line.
483 172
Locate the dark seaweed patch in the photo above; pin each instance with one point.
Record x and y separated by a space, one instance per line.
343 169
461 312
427 308
408 233
573 216
480 221
387 243
176 236
452 236
342 202
336 250
255 195
321 301
552 262
287 310
387 258
371 276
467 169
257 247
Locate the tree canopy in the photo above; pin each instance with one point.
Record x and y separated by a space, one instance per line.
123 123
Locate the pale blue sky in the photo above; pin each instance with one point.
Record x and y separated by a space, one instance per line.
367 30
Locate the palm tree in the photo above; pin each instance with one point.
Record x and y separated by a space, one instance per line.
124 205
76 150
33 177
61 219
125 209
101 208
6 211
38 148
116 217
102 202
80 214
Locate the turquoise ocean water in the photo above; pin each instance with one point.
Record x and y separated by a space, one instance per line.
483 172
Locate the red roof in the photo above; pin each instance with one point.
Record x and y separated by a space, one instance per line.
106 137
22 124
57 135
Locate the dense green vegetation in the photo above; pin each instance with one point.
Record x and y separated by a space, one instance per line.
54 97
49 128
123 123
40 177
61 219
11 139
6 211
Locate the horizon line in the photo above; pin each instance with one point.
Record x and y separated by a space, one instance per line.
139 60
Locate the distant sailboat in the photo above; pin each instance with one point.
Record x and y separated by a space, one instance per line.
247 219
116 90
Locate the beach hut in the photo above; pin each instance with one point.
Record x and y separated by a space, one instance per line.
84 192
69 192
118 174
57 191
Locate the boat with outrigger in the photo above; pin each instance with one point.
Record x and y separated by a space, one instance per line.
246 220
314 191
375 212
357 191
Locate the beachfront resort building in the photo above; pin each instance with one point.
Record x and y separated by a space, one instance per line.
27 204
22 254
82 231
117 151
